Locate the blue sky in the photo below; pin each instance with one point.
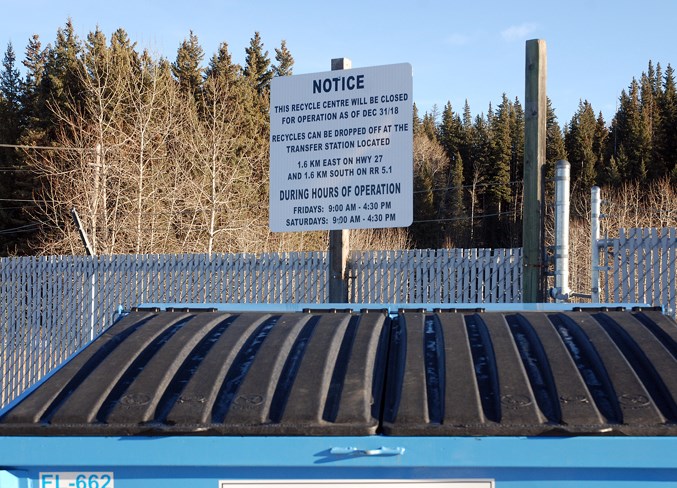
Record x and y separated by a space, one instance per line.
458 49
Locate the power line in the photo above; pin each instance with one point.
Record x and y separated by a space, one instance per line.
23 228
17 200
48 148
452 219
12 170
465 187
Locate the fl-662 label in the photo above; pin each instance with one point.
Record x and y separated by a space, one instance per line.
77 479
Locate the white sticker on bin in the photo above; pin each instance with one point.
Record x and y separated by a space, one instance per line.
76 479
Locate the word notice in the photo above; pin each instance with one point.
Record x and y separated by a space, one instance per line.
341 149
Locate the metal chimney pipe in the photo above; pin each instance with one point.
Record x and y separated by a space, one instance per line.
561 290
596 204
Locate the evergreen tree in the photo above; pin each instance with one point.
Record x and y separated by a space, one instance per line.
121 45
502 157
95 56
60 84
580 145
497 193
450 131
429 124
187 68
554 141
514 231
416 123
667 130
651 116
554 151
451 137
466 144
34 63
63 66
517 144
257 74
10 82
658 81
649 94
257 65
11 174
124 58
457 227
467 116
631 132
599 145
285 61
236 96
10 101
221 65
611 174
479 165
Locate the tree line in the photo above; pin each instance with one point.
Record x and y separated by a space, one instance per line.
155 155
162 156
469 181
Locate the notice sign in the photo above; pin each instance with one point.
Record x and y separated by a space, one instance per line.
341 149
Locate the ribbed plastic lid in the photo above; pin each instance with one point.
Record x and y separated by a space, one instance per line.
570 373
448 373
215 373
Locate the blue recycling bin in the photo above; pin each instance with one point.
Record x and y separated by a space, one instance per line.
177 396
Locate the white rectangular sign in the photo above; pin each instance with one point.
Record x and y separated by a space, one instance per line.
341 146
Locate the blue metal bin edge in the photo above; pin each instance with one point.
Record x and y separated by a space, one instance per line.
202 461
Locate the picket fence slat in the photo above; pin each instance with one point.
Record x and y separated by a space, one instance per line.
617 271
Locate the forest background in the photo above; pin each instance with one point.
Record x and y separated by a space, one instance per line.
171 156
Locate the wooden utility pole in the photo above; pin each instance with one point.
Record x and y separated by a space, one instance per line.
533 280
339 240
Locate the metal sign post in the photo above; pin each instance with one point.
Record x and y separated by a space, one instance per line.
339 240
